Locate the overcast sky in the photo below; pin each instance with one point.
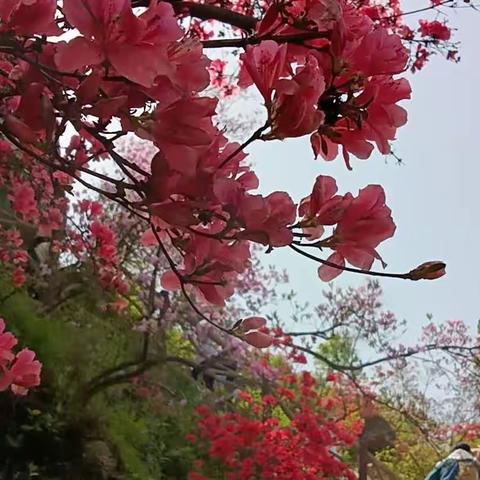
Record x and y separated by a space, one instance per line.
433 195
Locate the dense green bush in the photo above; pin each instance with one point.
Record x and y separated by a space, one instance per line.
58 432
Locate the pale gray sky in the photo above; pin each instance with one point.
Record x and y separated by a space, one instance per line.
433 196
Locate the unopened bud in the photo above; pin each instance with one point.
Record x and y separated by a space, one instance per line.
252 323
428 271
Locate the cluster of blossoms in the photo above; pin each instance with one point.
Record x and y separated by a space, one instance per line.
361 223
20 371
92 240
342 90
32 205
259 441
424 37
465 431
13 255
337 86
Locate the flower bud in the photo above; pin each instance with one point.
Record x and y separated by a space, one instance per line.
428 271
252 323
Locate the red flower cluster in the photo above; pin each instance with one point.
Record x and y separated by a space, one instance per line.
435 30
94 241
260 442
18 372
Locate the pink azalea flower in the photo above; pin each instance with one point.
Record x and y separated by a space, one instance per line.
267 219
111 31
365 224
263 65
7 342
184 130
28 17
25 372
294 111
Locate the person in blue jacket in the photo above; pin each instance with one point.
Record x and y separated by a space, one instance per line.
461 464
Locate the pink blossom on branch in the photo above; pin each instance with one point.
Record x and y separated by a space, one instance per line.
7 342
28 17
267 219
25 372
111 31
366 222
249 330
19 372
263 65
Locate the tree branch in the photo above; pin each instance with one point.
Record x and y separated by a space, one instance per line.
94 387
316 333
208 12
452 349
254 40
404 276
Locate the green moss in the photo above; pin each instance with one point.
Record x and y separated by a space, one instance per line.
129 435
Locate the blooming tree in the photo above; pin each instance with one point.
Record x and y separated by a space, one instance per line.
76 77
350 333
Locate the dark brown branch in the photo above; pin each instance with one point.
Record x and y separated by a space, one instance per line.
118 377
113 370
54 166
317 333
116 157
452 349
68 170
420 10
208 12
255 136
243 42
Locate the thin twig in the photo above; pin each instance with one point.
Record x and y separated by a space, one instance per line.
255 136
404 276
